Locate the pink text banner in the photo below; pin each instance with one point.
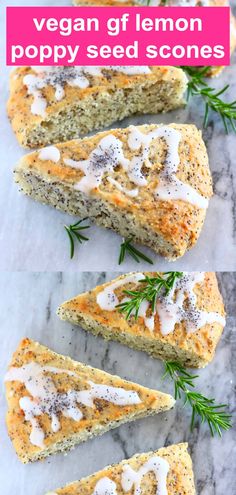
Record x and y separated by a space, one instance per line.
113 36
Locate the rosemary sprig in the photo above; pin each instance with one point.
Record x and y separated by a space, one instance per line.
208 411
197 86
74 233
150 289
127 248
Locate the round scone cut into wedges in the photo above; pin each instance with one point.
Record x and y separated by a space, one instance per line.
184 325
52 104
165 471
150 182
55 403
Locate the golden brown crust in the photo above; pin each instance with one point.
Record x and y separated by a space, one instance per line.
124 3
198 348
109 83
177 222
96 420
180 479
105 3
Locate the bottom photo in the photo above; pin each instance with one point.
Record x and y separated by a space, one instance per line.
118 383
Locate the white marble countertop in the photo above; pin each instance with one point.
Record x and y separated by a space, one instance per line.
32 236
28 309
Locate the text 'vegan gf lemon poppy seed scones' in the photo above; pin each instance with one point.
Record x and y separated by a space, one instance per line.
185 326
214 70
55 403
150 182
53 104
168 471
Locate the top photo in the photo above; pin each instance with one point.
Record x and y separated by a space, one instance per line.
111 168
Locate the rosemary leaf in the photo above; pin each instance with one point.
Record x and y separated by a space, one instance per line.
149 290
206 409
74 233
197 86
72 247
127 248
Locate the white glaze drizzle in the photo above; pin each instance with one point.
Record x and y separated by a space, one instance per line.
148 320
109 154
51 153
107 298
142 312
130 478
105 486
173 188
155 464
170 308
169 186
58 77
104 158
116 395
129 192
45 399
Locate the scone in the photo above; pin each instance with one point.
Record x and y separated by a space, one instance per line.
55 403
150 182
166 471
153 3
184 325
52 104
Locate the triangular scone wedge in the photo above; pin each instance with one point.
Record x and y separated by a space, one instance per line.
150 182
52 104
55 403
186 325
165 471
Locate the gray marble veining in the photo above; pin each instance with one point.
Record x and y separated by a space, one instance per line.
32 236
27 308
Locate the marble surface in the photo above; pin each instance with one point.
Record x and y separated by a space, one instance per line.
32 236
27 308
